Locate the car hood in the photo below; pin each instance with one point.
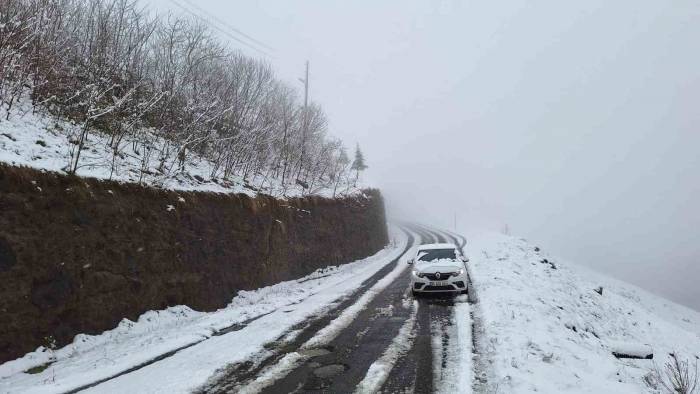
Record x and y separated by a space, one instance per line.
443 265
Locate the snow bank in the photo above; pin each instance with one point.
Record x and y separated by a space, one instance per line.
547 329
263 315
456 375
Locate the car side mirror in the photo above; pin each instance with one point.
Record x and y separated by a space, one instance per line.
409 262
465 259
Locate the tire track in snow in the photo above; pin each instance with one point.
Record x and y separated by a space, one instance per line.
415 372
440 359
482 365
434 362
225 330
357 345
380 369
311 340
365 349
341 362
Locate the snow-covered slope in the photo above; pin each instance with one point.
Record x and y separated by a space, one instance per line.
32 138
547 329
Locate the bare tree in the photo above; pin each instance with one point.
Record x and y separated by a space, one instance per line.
162 89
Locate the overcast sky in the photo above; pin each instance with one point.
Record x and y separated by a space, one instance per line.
577 124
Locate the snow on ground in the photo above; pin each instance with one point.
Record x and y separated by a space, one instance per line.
277 308
456 375
379 370
328 333
34 139
548 330
325 335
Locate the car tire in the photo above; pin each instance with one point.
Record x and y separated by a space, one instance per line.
414 293
466 291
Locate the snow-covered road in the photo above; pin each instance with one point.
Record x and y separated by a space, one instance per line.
530 324
383 341
355 323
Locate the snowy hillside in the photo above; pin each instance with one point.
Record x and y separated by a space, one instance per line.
546 328
32 138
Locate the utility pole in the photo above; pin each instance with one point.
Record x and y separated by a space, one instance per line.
306 86
305 120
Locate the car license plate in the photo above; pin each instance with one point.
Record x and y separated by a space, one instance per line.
438 283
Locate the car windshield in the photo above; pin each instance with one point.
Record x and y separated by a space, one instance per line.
436 254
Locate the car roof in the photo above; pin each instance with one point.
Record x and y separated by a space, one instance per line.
437 246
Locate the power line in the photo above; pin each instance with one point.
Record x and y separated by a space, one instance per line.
220 30
226 24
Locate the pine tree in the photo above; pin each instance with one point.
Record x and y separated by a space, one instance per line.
359 163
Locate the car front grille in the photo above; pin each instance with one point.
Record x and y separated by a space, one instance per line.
443 276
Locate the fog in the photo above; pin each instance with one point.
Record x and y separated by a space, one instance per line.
576 125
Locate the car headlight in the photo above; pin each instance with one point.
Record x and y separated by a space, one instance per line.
417 274
460 272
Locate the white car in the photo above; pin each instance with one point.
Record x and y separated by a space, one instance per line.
438 268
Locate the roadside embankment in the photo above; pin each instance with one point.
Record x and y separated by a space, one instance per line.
77 255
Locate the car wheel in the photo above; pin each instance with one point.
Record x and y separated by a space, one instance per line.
414 293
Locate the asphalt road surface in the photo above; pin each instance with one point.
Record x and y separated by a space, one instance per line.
343 363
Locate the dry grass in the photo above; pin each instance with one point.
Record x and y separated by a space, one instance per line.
678 376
